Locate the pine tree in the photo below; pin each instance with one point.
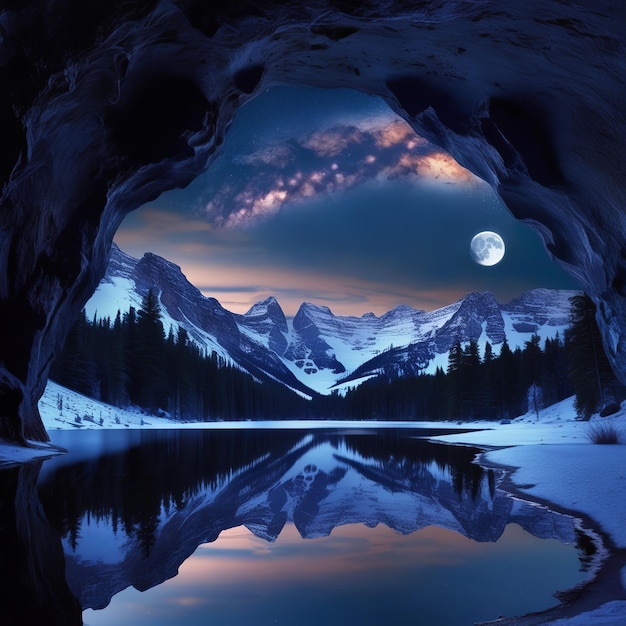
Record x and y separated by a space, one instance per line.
75 367
150 352
589 368
488 398
109 357
532 362
556 383
454 373
505 383
469 387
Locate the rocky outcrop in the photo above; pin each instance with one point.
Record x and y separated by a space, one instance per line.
312 351
106 105
477 310
266 318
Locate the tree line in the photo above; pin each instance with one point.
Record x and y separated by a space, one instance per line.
487 386
132 361
473 386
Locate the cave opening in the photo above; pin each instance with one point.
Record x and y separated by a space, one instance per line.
328 196
528 99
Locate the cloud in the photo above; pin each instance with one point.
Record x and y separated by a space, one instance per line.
289 260
152 226
212 289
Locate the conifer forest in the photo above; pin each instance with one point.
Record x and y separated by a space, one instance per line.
131 361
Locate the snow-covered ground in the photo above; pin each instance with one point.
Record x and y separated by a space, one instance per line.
556 461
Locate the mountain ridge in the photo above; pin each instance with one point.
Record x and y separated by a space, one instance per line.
316 351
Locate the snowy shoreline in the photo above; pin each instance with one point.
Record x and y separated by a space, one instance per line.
549 459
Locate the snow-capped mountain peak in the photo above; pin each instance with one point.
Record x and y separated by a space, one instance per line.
316 350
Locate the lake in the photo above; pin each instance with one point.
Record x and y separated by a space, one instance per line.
275 526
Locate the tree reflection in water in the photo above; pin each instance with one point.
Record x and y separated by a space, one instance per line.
169 492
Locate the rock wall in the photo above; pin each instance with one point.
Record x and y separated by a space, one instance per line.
34 589
107 104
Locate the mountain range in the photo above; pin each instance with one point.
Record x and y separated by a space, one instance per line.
316 352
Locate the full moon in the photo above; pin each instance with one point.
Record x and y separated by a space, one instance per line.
487 248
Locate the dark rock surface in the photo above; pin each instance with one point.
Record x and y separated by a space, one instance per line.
107 104
467 323
267 318
34 589
312 345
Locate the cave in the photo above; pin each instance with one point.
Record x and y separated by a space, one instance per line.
107 105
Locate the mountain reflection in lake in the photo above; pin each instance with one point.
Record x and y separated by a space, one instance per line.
290 527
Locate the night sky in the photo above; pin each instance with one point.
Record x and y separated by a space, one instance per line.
326 196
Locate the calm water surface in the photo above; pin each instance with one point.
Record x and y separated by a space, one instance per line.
264 527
